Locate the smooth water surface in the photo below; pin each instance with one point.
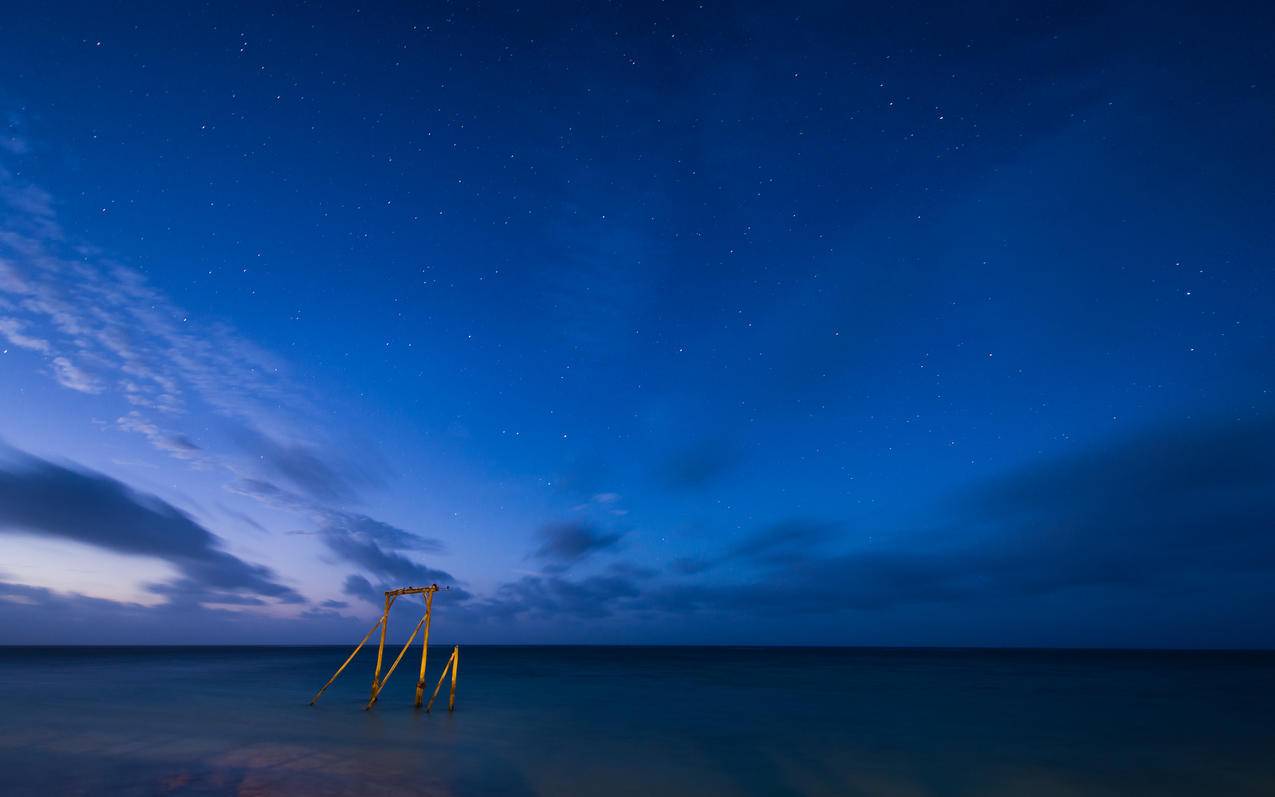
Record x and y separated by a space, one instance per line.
640 721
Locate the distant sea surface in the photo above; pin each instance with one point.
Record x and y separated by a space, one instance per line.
658 722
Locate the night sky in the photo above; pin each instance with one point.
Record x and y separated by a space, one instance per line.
639 323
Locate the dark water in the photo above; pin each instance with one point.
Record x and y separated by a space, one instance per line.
648 721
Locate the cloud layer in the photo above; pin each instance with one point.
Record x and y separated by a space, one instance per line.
1178 515
60 501
565 544
101 329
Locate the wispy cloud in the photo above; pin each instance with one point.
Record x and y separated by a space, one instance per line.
1186 507
71 376
103 330
11 329
48 499
378 549
177 445
590 597
35 615
564 544
103 327
321 478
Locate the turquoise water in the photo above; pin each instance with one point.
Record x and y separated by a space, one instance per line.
619 721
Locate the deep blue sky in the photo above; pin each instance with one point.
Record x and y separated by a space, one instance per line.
639 323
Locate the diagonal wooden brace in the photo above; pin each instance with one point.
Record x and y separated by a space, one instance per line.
401 653
340 669
453 662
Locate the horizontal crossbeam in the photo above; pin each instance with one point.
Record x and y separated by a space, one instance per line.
394 593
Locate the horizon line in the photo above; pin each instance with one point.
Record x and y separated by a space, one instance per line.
731 646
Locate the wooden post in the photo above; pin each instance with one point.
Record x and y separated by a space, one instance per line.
340 669
393 666
451 662
420 679
451 702
380 650
378 683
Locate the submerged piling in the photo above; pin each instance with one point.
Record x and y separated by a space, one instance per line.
420 679
378 683
452 664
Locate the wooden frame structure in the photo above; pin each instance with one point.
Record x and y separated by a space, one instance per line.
378 683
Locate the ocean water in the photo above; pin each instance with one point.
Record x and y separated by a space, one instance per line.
639 721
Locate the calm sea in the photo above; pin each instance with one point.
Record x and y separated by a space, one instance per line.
640 721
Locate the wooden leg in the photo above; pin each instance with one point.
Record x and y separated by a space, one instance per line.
380 650
420 679
451 702
451 660
340 669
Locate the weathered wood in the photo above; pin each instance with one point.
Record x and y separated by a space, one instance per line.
420 679
393 666
383 623
380 649
451 660
414 590
451 702
340 669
